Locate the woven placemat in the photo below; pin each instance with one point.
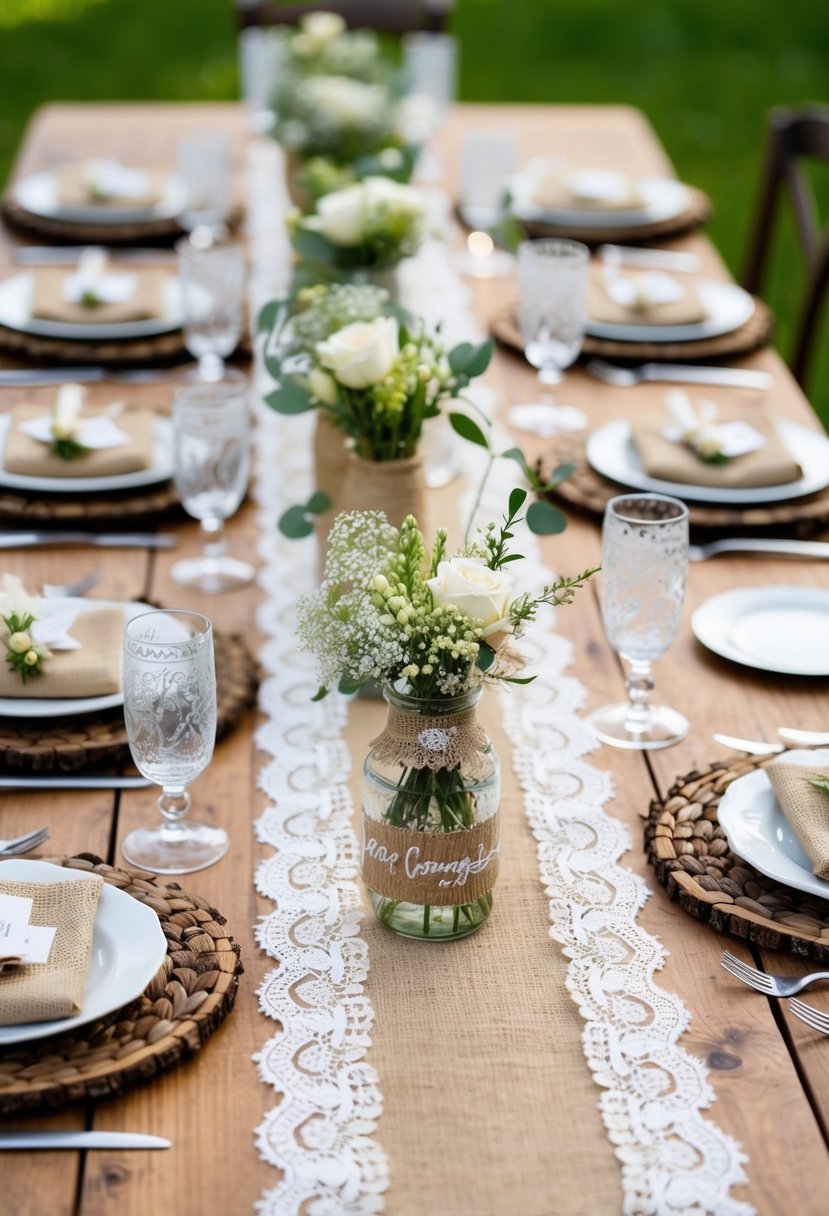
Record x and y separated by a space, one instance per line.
67 745
690 855
188 998
138 507
160 350
756 332
589 491
161 231
697 213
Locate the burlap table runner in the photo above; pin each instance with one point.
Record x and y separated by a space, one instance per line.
43 992
146 302
28 457
805 806
73 190
771 465
92 671
687 310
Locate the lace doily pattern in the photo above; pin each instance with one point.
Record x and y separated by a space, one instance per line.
321 1134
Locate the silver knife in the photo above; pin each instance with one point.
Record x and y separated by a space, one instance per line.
100 540
682 373
70 782
657 259
80 1140
69 255
759 544
20 377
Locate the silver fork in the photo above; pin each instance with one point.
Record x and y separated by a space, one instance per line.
53 591
771 985
812 1017
679 373
23 844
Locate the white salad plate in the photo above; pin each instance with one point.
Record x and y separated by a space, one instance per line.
16 313
612 453
779 629
38 194
663 199
759 832
62 707
160 469
128 947
727 307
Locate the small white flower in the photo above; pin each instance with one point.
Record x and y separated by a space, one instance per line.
322 28
20 642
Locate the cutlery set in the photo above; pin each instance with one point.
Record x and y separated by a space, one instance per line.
782 986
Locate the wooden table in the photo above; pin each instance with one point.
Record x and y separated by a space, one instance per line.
770 1073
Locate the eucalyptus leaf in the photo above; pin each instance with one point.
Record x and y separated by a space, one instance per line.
486 657
267 316
544 519
290 398
463 425
318 503
347 685
517 498
321 692
295 524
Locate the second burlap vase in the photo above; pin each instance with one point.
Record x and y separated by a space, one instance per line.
396 487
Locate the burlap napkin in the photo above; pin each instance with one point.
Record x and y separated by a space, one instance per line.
559 191
805 807
73 189
771 465
687 310
92 671
28 457
147 301
43 992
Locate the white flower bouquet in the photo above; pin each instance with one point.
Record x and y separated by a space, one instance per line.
369 225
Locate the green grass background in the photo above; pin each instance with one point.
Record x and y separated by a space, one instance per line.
705 72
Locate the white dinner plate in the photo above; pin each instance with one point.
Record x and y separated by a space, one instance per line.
781 629
128 947
38 194
160 469
612 452
16 313
727 305
758 831
663 199
62 707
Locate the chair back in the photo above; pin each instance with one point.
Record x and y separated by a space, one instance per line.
394 17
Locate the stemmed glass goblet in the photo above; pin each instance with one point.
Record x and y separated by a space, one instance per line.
210 443
644 566
170 713
204 171
552 311
212 290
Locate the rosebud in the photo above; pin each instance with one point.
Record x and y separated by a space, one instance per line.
30 659
20 642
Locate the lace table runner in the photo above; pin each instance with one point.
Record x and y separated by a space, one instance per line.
321 1135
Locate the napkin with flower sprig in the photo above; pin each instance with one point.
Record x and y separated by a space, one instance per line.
109 183
801 787
95 292
71 441
586 189
620 297
42 992
51 650
719 444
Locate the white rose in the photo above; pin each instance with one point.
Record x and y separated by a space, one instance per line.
385 193
361 354
340 216
469 584
322 28
350 102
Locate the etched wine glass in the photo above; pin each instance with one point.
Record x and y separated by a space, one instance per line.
212 282
552 312
170 713
205 173
644 566
211 446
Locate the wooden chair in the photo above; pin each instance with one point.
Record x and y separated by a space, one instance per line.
395 17
793 137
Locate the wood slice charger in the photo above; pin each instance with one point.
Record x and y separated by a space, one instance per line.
188 998
690 855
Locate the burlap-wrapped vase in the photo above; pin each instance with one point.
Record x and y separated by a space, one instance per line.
396 487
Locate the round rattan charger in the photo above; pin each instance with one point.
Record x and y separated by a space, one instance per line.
67 745
690 855
146 232
188 998
589 491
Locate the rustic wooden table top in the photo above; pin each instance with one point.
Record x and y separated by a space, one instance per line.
770 1073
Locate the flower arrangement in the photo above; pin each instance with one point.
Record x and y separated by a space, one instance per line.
370 225
430 626
18 610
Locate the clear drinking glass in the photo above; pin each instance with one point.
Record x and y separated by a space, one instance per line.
170 713
644 565
211 444
212 289
203 168
430 67
261 53
552 311
487 162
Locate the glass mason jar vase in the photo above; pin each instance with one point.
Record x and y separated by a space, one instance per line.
431 790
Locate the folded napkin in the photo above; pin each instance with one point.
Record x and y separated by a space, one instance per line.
108 183
628 298
588 190
54 300
805 806
55 989
29 457
770 465
92 670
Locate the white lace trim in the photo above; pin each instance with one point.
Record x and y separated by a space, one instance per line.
674 1161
